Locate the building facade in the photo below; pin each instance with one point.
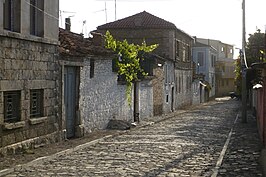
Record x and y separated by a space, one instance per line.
174 47
224 66
90 82
205 56
29 111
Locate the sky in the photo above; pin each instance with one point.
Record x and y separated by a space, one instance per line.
212 19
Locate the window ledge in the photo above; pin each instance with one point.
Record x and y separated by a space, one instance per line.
34 121
10 126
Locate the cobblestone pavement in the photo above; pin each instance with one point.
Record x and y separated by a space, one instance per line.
242 156
187 144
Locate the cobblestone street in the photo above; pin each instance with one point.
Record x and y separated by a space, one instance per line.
185 144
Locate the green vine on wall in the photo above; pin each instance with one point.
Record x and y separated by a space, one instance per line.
128 60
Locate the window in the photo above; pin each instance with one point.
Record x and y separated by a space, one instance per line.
166 73
184 54
37 17
200 58
177 46
114 65
222 49
213 60
188 53
36 103
92 65
12 106
11 14
179 85
147 65
167 98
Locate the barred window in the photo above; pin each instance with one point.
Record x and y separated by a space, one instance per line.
12 106
36 103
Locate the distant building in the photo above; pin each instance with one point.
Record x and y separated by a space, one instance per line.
224 66
204 57
172 85
29 76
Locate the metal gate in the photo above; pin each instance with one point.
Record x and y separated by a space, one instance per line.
70 99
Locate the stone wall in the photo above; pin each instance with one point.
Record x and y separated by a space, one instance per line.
183 88
196 90
27 65
158 95
163 37
169 87
146 99
102 98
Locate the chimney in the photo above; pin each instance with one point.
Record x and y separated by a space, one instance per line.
68 24
98 39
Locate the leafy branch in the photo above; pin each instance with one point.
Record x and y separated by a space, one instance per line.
128 60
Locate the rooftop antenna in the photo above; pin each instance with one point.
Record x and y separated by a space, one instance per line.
115 9
83 24
105 12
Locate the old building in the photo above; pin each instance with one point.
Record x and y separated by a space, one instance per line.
28 74
171 84
224 66
92 85
205 57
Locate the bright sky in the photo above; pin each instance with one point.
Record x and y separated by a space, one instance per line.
213 19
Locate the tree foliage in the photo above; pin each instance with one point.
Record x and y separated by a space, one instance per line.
128 59
255 49
238 80
255 52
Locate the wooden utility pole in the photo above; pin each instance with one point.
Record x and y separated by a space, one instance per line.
243 66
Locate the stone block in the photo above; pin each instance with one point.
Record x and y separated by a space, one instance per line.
42 130
8 139
19 136
32 132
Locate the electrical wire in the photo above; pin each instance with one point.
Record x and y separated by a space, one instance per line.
50 15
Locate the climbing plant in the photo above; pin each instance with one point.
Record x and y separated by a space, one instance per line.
128 59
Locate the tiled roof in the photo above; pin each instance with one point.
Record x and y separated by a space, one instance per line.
140 20
72 44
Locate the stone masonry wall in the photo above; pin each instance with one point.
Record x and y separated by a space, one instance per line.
162 37
26 65
183 88
158 95
146 99
102 97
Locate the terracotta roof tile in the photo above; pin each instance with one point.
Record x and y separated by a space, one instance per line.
72 44
140 20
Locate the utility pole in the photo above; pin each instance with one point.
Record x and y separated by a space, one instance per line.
243 66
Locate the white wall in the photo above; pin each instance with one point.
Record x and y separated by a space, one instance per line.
101 97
